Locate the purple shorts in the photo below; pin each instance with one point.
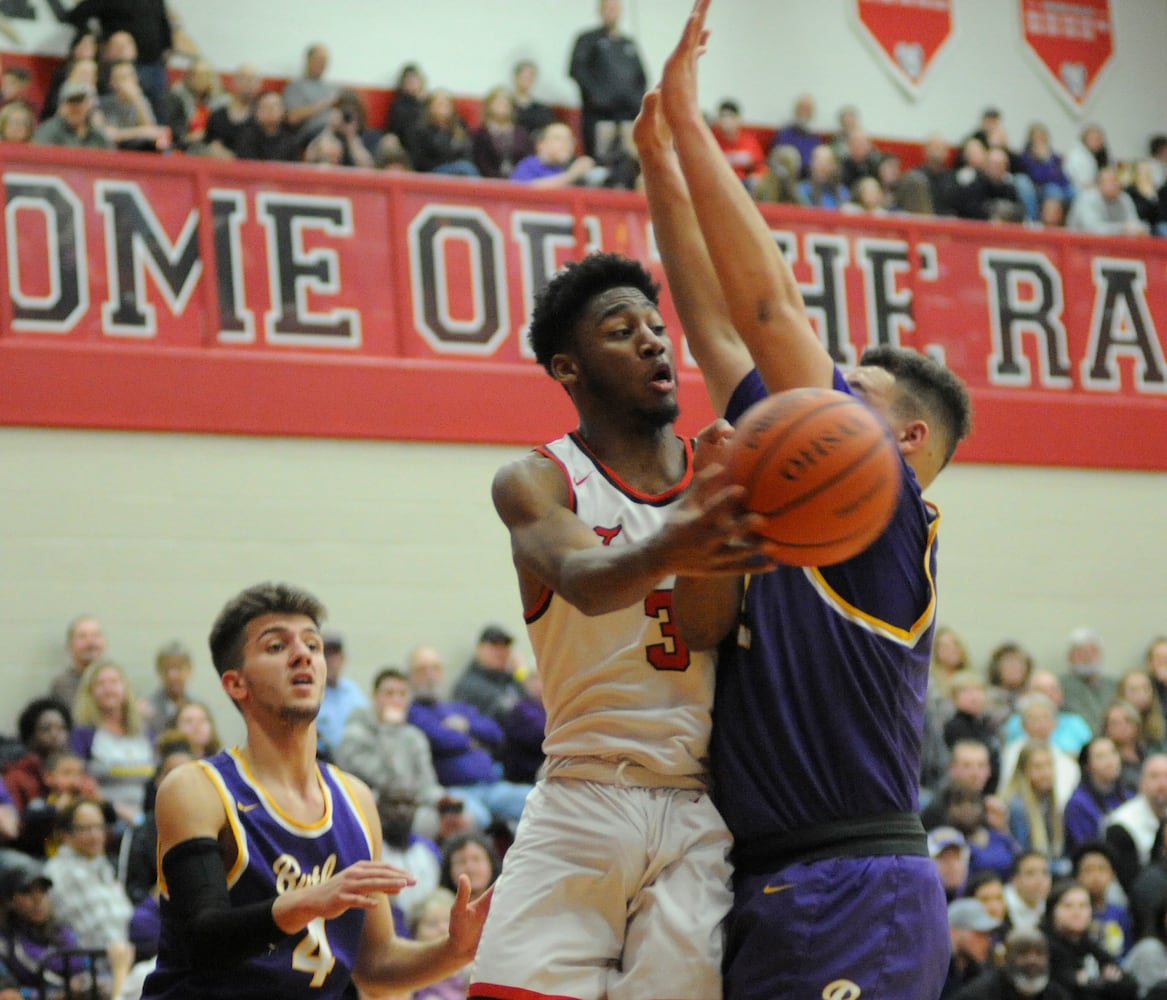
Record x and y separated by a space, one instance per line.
839 929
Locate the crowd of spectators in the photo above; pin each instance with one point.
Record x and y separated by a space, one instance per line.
79 892
1045 796
111 92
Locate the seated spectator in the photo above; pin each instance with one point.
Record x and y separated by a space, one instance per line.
1120 724
111 739
981 195
523 729
44 726
439 141
73 123
430 921
342 695
1086 157
554 163
822 188
949 657
1140 186
309 98
1071 732
1051 214
82 47
1146 962
16 87
87 895
867 196
268 136
988 888
971 930
862 159
1080 965
989 848
1111 923
949 852
1087 688
848 119
85 644
33 938
66 781
970 766
778 182
462 740
1027 889
139 859
391 155
190 103
912 194
403 847
1023 974
354 116
226 122
407 105
16 123
1008 675
339 143
379 746
937 168
969 720
499 142
1133 829
1037 721
741 147
1035 813
797 132
172 664
472 855
1098 793
488 682
1044 167
1136 688
194 725
530 113
126 115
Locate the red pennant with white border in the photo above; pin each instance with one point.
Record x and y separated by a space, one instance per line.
1073 41
907 35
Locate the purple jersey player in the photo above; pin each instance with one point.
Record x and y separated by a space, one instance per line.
820 687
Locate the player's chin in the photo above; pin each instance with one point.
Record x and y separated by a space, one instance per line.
663 412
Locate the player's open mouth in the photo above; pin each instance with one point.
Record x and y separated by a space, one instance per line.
303 680
662 379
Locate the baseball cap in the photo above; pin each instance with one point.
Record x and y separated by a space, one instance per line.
75 90
496 633
944 837
21 876
333 641
971 915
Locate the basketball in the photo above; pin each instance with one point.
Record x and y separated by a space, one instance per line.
823 470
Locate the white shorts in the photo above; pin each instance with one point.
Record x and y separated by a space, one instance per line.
609 892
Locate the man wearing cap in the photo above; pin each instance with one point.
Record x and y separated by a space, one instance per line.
72 125
1086 690
947 848
341 696
970 927
487 682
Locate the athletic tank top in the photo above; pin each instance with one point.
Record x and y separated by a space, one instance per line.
620 688
275 853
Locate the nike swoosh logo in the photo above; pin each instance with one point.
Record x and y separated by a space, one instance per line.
582 479
771 889
245 809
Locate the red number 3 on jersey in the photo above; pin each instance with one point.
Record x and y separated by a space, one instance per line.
671 653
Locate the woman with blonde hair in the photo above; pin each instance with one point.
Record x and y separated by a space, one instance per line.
1137 689
194 725
1035 814
499 142
109 736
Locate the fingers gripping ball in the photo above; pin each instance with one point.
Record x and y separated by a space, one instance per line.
823 470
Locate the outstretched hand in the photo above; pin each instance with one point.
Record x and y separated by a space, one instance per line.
679 82
650 131
467 918
359 886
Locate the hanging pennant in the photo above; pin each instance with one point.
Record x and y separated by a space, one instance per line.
1073 41
906 34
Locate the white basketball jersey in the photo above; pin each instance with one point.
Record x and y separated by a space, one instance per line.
621 687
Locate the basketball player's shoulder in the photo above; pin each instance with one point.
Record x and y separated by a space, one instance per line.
537 477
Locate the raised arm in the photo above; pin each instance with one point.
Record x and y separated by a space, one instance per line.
764 301
705 534
692 281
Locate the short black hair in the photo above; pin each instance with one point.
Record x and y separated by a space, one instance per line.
932 389
230 628
385 673
729 107
1157 143
559 306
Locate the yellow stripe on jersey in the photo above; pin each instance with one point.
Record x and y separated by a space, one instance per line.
354 804
273 807
241 854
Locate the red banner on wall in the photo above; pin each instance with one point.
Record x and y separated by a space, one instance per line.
907 35
188 295
1073 41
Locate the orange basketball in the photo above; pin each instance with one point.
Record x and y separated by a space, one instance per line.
822 468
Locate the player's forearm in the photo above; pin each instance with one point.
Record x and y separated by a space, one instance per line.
602 579
407 965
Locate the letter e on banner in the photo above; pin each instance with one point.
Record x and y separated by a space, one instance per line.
1072 42
907 35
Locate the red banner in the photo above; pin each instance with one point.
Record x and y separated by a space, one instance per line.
1073 41
906 34
186 295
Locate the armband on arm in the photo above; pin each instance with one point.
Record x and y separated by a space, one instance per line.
214 933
